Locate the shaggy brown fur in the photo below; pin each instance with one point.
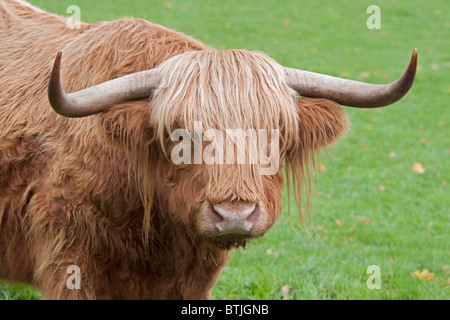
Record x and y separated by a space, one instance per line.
84 191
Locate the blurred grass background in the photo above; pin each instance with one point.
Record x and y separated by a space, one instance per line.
373 206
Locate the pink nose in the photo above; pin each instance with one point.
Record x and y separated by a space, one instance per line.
234 217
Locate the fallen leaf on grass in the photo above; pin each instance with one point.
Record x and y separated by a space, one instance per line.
321 167
285 291
424 275
365 74
366 221
339 222
446 269
287 21
418 168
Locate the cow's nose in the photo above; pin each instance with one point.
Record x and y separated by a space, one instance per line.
234 217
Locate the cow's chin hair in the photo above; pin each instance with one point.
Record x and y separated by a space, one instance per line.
231 241
226 243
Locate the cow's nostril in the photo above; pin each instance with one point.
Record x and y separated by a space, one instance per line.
254 216
214 215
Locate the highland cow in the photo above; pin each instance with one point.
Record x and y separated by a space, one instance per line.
93 185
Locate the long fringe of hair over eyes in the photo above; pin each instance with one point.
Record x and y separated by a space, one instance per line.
232 89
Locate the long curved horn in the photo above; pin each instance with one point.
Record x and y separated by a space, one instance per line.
351 93
100 97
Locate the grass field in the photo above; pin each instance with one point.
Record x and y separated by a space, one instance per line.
383 196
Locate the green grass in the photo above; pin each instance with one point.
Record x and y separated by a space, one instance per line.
17 292
402 226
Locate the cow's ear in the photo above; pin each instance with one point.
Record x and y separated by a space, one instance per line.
322 122
126 126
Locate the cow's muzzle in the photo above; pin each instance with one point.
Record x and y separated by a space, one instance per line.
232 223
